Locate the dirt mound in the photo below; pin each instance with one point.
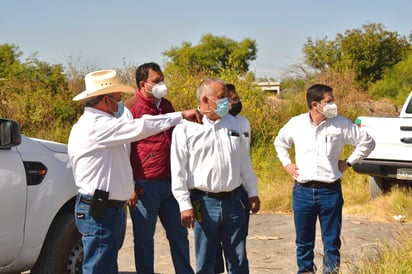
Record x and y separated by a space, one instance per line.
378 108
364 107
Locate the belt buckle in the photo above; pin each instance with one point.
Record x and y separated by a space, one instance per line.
316 184
220 195
223 195
85 200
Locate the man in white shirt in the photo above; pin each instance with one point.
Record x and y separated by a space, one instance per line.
209 164
318 137
99 156
244 125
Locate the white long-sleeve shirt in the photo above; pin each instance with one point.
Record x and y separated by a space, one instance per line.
98 149
318 148
212 157
244 128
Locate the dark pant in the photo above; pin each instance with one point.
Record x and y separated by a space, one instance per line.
220 221
220 262
309 203
157 201
101 237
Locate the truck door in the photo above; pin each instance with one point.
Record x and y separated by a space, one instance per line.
13 192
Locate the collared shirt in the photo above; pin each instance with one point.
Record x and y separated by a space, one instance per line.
99 153
244 128
212 157
318 148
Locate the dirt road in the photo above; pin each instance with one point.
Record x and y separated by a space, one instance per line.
271 247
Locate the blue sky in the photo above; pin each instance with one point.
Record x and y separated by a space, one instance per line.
103 34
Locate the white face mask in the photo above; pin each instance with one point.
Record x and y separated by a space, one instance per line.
159 90
330 110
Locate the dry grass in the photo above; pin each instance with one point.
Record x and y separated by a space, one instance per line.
392 256
275 192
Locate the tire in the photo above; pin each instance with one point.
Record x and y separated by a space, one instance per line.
377 186
62 251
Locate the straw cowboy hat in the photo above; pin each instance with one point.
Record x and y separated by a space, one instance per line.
102 82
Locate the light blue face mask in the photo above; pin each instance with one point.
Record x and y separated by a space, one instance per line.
222 106
120 109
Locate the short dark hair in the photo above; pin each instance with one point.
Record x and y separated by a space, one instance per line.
230 87
316 93
142 71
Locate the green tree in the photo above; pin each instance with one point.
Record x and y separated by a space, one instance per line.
213 53
396 83
9 59
366 52
321 54
36 95
372 49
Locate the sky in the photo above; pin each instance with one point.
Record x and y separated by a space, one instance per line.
103 34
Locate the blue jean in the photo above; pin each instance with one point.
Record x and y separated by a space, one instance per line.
157 200
220 262
101 237
222 222
309 204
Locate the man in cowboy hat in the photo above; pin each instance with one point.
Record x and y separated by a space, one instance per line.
99 155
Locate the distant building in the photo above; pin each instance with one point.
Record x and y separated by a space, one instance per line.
271 86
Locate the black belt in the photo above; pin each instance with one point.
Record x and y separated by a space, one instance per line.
318 184
215 195
111 203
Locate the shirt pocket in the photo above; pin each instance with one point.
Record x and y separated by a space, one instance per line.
246 139
333 145
235 139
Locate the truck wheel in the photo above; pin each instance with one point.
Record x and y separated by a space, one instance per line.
376 186
62 251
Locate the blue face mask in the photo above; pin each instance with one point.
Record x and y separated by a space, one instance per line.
120 109
222 106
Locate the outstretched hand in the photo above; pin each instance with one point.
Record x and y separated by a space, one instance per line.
192 115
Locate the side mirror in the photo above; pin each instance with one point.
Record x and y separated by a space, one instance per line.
10 135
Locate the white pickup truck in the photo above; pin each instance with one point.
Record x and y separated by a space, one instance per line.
390 163
37 195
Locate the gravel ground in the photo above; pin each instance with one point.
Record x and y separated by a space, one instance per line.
271 247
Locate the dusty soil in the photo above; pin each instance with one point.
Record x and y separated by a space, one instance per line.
271 247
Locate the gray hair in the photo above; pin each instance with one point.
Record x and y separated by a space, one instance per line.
204 87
